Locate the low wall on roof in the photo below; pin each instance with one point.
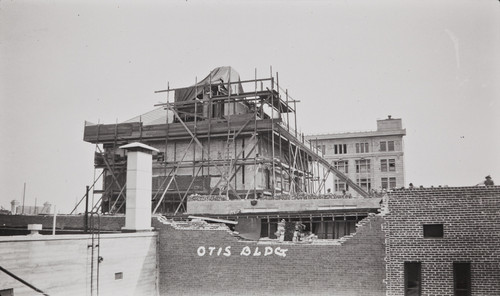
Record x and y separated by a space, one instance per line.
198 261
63 222
262 205
65 264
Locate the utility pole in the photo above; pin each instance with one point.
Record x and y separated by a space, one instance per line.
24 195
87 209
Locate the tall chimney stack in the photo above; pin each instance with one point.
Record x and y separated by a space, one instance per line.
139 178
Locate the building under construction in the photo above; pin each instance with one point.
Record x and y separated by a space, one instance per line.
222 138
241 165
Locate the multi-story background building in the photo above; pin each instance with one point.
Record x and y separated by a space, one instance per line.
373 159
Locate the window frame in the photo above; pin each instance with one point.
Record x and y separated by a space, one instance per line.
389 145
384 181
365 183
383 146
418 270
392 182
362 147
363 166
457 291
340 185
391 165
433 231
344 168
384 165
339 148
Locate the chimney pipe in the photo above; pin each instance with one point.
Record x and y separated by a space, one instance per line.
139 187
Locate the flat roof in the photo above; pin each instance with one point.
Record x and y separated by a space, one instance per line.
401 132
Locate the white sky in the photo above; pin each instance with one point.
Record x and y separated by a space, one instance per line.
435 64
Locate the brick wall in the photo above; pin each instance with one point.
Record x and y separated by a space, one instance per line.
471 220
353 266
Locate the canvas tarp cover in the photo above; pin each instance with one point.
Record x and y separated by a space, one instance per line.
226 74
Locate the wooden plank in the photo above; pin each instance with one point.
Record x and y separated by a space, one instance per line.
131 131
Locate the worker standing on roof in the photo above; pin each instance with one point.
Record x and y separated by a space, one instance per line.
488 181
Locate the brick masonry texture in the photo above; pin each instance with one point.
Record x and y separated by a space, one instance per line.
471 220
354 266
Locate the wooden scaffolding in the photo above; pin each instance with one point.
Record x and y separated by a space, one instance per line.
222 142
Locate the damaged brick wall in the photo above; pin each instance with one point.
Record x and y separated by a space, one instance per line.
204 262
471 224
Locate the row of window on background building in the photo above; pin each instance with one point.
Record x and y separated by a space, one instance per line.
388 165
340 148
366 184
387 146
342 165
462 281
360 147
363 165
388 183
340 186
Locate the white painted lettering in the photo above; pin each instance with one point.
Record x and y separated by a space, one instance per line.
257 252
201 251
211 250
227 251
268 251
280 252
246 251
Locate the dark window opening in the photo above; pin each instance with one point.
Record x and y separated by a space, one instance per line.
433 230
365 183
392 182
383 146
412 279
388 183
342 165
341 186
118 275
390 145
387 165
267 178
392 165
363 166
340 149
461 279
325 227
362 148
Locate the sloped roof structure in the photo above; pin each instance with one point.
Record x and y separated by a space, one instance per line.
218 75
156 116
